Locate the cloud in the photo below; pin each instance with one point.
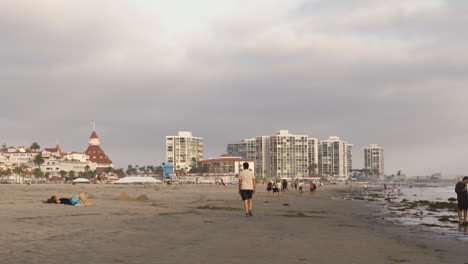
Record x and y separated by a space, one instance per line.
392 73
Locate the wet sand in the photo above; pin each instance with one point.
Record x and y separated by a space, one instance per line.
205 224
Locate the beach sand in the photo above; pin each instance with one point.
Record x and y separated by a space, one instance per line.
205 224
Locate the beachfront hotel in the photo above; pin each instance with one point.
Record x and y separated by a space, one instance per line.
374 159
334 158
55 160
281 155
183 149
96 154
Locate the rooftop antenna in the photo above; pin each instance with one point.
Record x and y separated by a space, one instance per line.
94 125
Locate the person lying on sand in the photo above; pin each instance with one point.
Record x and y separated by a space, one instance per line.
70 201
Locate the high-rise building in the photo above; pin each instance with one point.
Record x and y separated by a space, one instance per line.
333 158
313 155
183 149
254 149
349 155
282 155
288 155
374 159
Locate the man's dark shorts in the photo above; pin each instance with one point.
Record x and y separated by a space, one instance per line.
462 204
246 194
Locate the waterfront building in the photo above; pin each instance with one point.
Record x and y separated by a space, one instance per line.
349 155
17 156
226 164
55 160
313 155
374 160
281 155
333 158
184 149
95 154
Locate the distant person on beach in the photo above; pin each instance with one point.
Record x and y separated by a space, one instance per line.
70 201
276 187
285 186
462 198
301 184
269 187
247 188
312 187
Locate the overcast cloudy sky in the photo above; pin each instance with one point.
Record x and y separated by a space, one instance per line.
370 71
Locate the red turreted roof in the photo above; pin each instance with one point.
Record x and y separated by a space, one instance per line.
96 154
93 135
55 150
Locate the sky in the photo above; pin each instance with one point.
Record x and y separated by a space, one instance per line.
392 73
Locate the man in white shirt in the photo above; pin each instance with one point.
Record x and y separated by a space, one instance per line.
247 188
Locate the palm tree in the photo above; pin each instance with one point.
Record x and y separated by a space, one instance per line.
38 160
71 175
63 174
4 147
2 174
35 146
8 172
120 173
19 172
108 170
38 174
129 170
312 167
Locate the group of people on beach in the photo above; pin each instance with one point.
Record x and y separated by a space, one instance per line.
392 189
278 187
248 186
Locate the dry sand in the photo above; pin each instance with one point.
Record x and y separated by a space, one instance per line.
204 224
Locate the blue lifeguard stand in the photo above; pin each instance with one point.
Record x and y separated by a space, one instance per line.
168 167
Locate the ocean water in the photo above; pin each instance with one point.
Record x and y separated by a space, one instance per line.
422 217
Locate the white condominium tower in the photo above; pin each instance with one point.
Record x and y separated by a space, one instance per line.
313 155
288 155
334 158
182 149
252 149
282 155
349 154
374 159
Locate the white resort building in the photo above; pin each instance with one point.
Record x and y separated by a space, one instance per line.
55 160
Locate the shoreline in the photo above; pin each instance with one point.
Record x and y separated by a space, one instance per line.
194 224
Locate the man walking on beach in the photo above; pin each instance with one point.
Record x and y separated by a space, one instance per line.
247 188
462 198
